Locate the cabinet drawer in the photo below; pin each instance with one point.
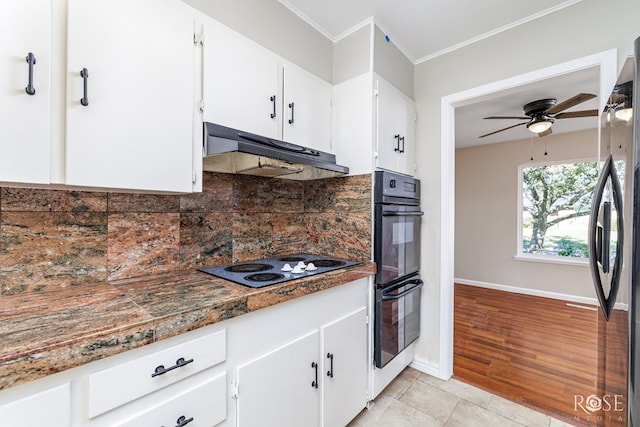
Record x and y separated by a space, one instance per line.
50 407
127 381
205 403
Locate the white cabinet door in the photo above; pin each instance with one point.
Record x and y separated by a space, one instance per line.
395 130
407 114
344 351
137 130
51 408
25 27
307 106
279 388
240 83
387 131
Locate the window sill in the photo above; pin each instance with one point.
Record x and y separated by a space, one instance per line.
580 262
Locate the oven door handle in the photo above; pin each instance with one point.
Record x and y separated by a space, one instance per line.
385 293
393 213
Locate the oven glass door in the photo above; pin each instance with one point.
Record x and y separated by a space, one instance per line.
397 241
397 318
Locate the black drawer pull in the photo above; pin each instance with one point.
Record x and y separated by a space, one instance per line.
397 138
31 59
183 421
330 371
162 370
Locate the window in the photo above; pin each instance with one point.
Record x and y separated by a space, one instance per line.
554 208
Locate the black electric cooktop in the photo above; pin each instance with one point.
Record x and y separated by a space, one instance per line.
266 272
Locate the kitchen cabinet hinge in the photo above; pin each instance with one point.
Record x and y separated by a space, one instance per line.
201 105
194 177
234 389
367 320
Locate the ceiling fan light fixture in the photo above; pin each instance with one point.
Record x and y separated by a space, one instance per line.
539 125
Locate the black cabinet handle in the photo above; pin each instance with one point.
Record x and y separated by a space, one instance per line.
397 138
31 60
183 421
314 384
401 139
162 370
330 371
273 101
292 119
85 77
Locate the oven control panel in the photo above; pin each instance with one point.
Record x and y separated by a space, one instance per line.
389 186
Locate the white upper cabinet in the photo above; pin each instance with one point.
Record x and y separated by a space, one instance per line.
130 118
307 106
240 83
395 130
25 28
249 88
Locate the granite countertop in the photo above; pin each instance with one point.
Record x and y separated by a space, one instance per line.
47 332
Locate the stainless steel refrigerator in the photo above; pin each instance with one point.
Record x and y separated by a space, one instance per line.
614 260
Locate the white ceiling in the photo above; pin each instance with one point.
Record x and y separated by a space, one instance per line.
424 29
470 123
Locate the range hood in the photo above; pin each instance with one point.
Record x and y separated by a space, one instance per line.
233 151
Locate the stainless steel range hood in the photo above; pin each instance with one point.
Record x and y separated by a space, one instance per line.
233 151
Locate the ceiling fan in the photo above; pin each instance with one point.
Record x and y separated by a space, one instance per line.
541 114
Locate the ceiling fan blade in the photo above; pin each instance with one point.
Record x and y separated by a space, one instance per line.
571 102
545 133
510 127
576 114
509 117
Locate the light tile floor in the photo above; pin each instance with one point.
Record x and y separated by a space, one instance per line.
415 399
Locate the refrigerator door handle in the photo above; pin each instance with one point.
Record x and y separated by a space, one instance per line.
599 237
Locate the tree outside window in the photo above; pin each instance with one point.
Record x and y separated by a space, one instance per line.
556 200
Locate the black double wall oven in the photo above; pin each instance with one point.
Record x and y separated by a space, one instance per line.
397 220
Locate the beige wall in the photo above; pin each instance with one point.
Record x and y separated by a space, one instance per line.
352 55
585 28
391 64
486 222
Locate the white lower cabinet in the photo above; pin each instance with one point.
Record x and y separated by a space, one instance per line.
50 407
201 405
124 382
344 384
280 388
317 379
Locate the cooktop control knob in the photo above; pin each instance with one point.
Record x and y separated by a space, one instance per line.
392 183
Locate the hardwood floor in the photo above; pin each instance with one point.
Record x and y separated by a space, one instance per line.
539 352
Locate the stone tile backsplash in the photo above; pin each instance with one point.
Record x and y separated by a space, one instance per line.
52 239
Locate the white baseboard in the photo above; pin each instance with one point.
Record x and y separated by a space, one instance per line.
428 368
539 293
